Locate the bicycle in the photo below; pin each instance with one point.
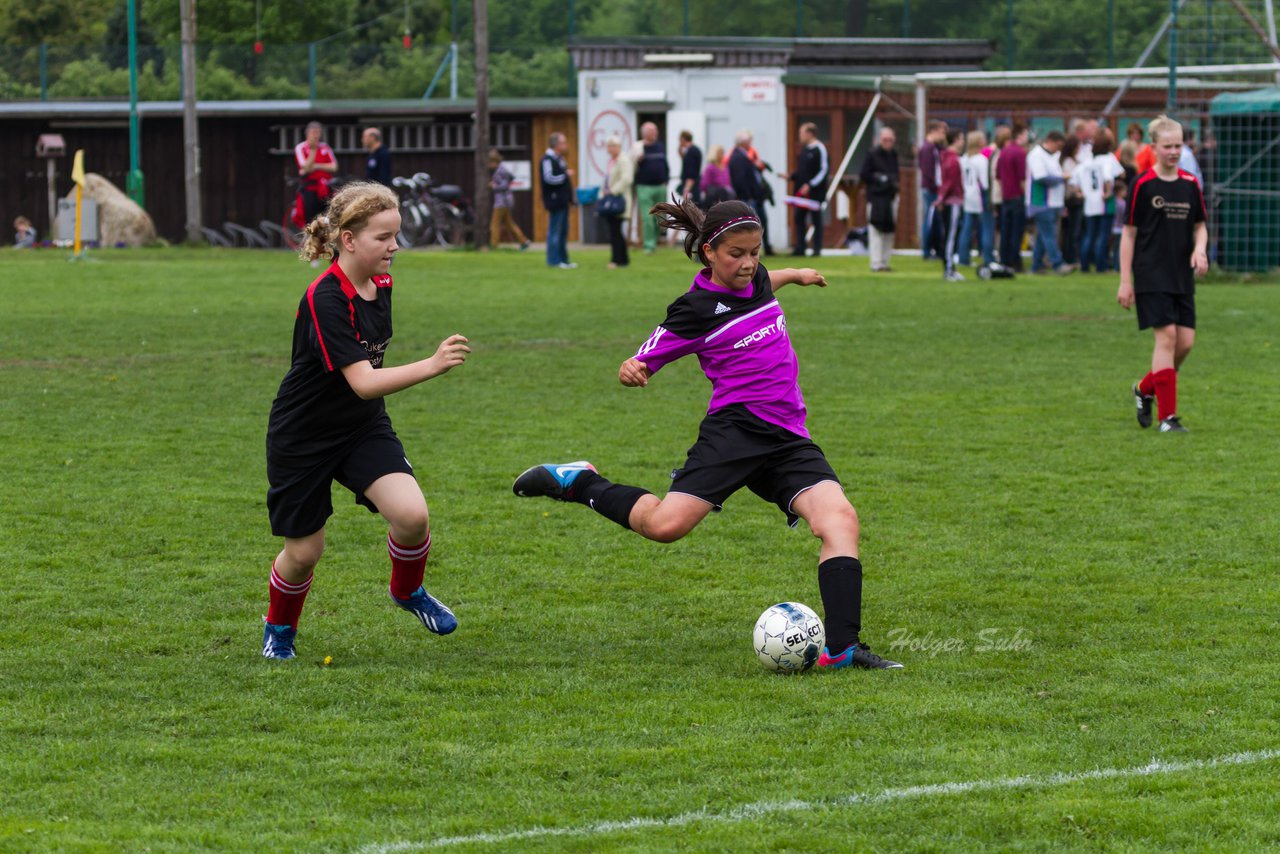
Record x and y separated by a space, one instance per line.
432 214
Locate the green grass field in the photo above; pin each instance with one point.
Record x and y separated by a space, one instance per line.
1074 598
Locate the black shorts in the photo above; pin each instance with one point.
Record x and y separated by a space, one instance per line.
1161 309
737 449
299 500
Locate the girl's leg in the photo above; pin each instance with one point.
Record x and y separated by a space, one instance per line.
291 574
833 520
1185 339
1164 377
399 499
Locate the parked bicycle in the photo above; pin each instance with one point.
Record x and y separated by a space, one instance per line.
432 214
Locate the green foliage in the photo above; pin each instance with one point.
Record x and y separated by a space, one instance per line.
984 430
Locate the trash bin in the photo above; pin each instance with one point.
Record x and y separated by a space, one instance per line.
593 228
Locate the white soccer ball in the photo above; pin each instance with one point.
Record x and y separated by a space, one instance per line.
788 637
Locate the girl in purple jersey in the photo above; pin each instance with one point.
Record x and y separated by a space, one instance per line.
329 422
754 433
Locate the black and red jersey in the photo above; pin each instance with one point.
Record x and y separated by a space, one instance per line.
316 409
1165 213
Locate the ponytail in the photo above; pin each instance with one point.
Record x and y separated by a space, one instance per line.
349 210
701 229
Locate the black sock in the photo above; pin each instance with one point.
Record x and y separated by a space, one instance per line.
611 500
840 582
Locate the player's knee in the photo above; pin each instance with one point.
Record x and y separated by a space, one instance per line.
413 524
835 521
305 553
666 530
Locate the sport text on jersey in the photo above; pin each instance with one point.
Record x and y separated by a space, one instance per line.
779 325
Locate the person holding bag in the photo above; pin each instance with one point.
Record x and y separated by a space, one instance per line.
614 206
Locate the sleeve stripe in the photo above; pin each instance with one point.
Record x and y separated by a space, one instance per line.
311 304
822 171
652 342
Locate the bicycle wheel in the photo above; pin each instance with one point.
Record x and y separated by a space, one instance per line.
413 225
289 232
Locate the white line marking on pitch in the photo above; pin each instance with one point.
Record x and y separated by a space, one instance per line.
749 811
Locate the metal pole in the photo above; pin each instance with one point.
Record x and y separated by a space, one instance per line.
1008 34
920 129
1271 29
906 19
483 195
1171 102
311 66
799 18
190 126
44 71
686 18
133 183
1142 59
453 71
573 27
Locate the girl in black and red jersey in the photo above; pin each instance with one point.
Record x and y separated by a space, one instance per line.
329 421
1162 250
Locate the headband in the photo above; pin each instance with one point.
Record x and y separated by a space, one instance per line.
734 223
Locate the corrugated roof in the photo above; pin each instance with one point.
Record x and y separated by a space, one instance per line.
298 107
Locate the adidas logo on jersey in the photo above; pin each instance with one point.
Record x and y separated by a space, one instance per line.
721 308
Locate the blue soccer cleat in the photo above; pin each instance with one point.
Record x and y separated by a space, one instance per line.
856 655
550 480
277 642
433 613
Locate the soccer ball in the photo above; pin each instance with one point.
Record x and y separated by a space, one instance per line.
788 638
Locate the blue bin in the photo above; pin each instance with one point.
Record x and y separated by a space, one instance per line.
588 195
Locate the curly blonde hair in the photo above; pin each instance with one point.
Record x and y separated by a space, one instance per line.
349 210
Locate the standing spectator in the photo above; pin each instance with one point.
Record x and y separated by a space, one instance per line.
1127 155
1120 195
1044 203
690 168
620 174
930 177
950 201
1012 177
1187 160
1084 130
1001 139
810 178
316 166
715 185
503 200
1096 180
378 166
975 166
24 233
652 175
880 175
557 190
1161 253
1072 226
744 176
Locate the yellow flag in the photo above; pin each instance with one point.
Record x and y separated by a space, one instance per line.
77 168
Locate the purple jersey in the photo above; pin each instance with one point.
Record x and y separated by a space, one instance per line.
742 345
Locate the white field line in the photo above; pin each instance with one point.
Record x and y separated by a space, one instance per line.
749 811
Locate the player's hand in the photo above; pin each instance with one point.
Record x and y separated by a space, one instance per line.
1200 262
451 353
810 276
633 374
803 192
1124 295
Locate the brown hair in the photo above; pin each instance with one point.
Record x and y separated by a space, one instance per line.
349 210
700 228
1003 134
1103 142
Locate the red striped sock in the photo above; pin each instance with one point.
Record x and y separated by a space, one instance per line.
286 599
408 564
1147 385
1166 383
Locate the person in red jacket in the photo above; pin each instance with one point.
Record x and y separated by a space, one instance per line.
950 201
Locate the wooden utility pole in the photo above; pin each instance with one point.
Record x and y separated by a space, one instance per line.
483 195
190 128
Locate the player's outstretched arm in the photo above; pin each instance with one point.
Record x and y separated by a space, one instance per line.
1124 295
792 276
369 382
633 374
